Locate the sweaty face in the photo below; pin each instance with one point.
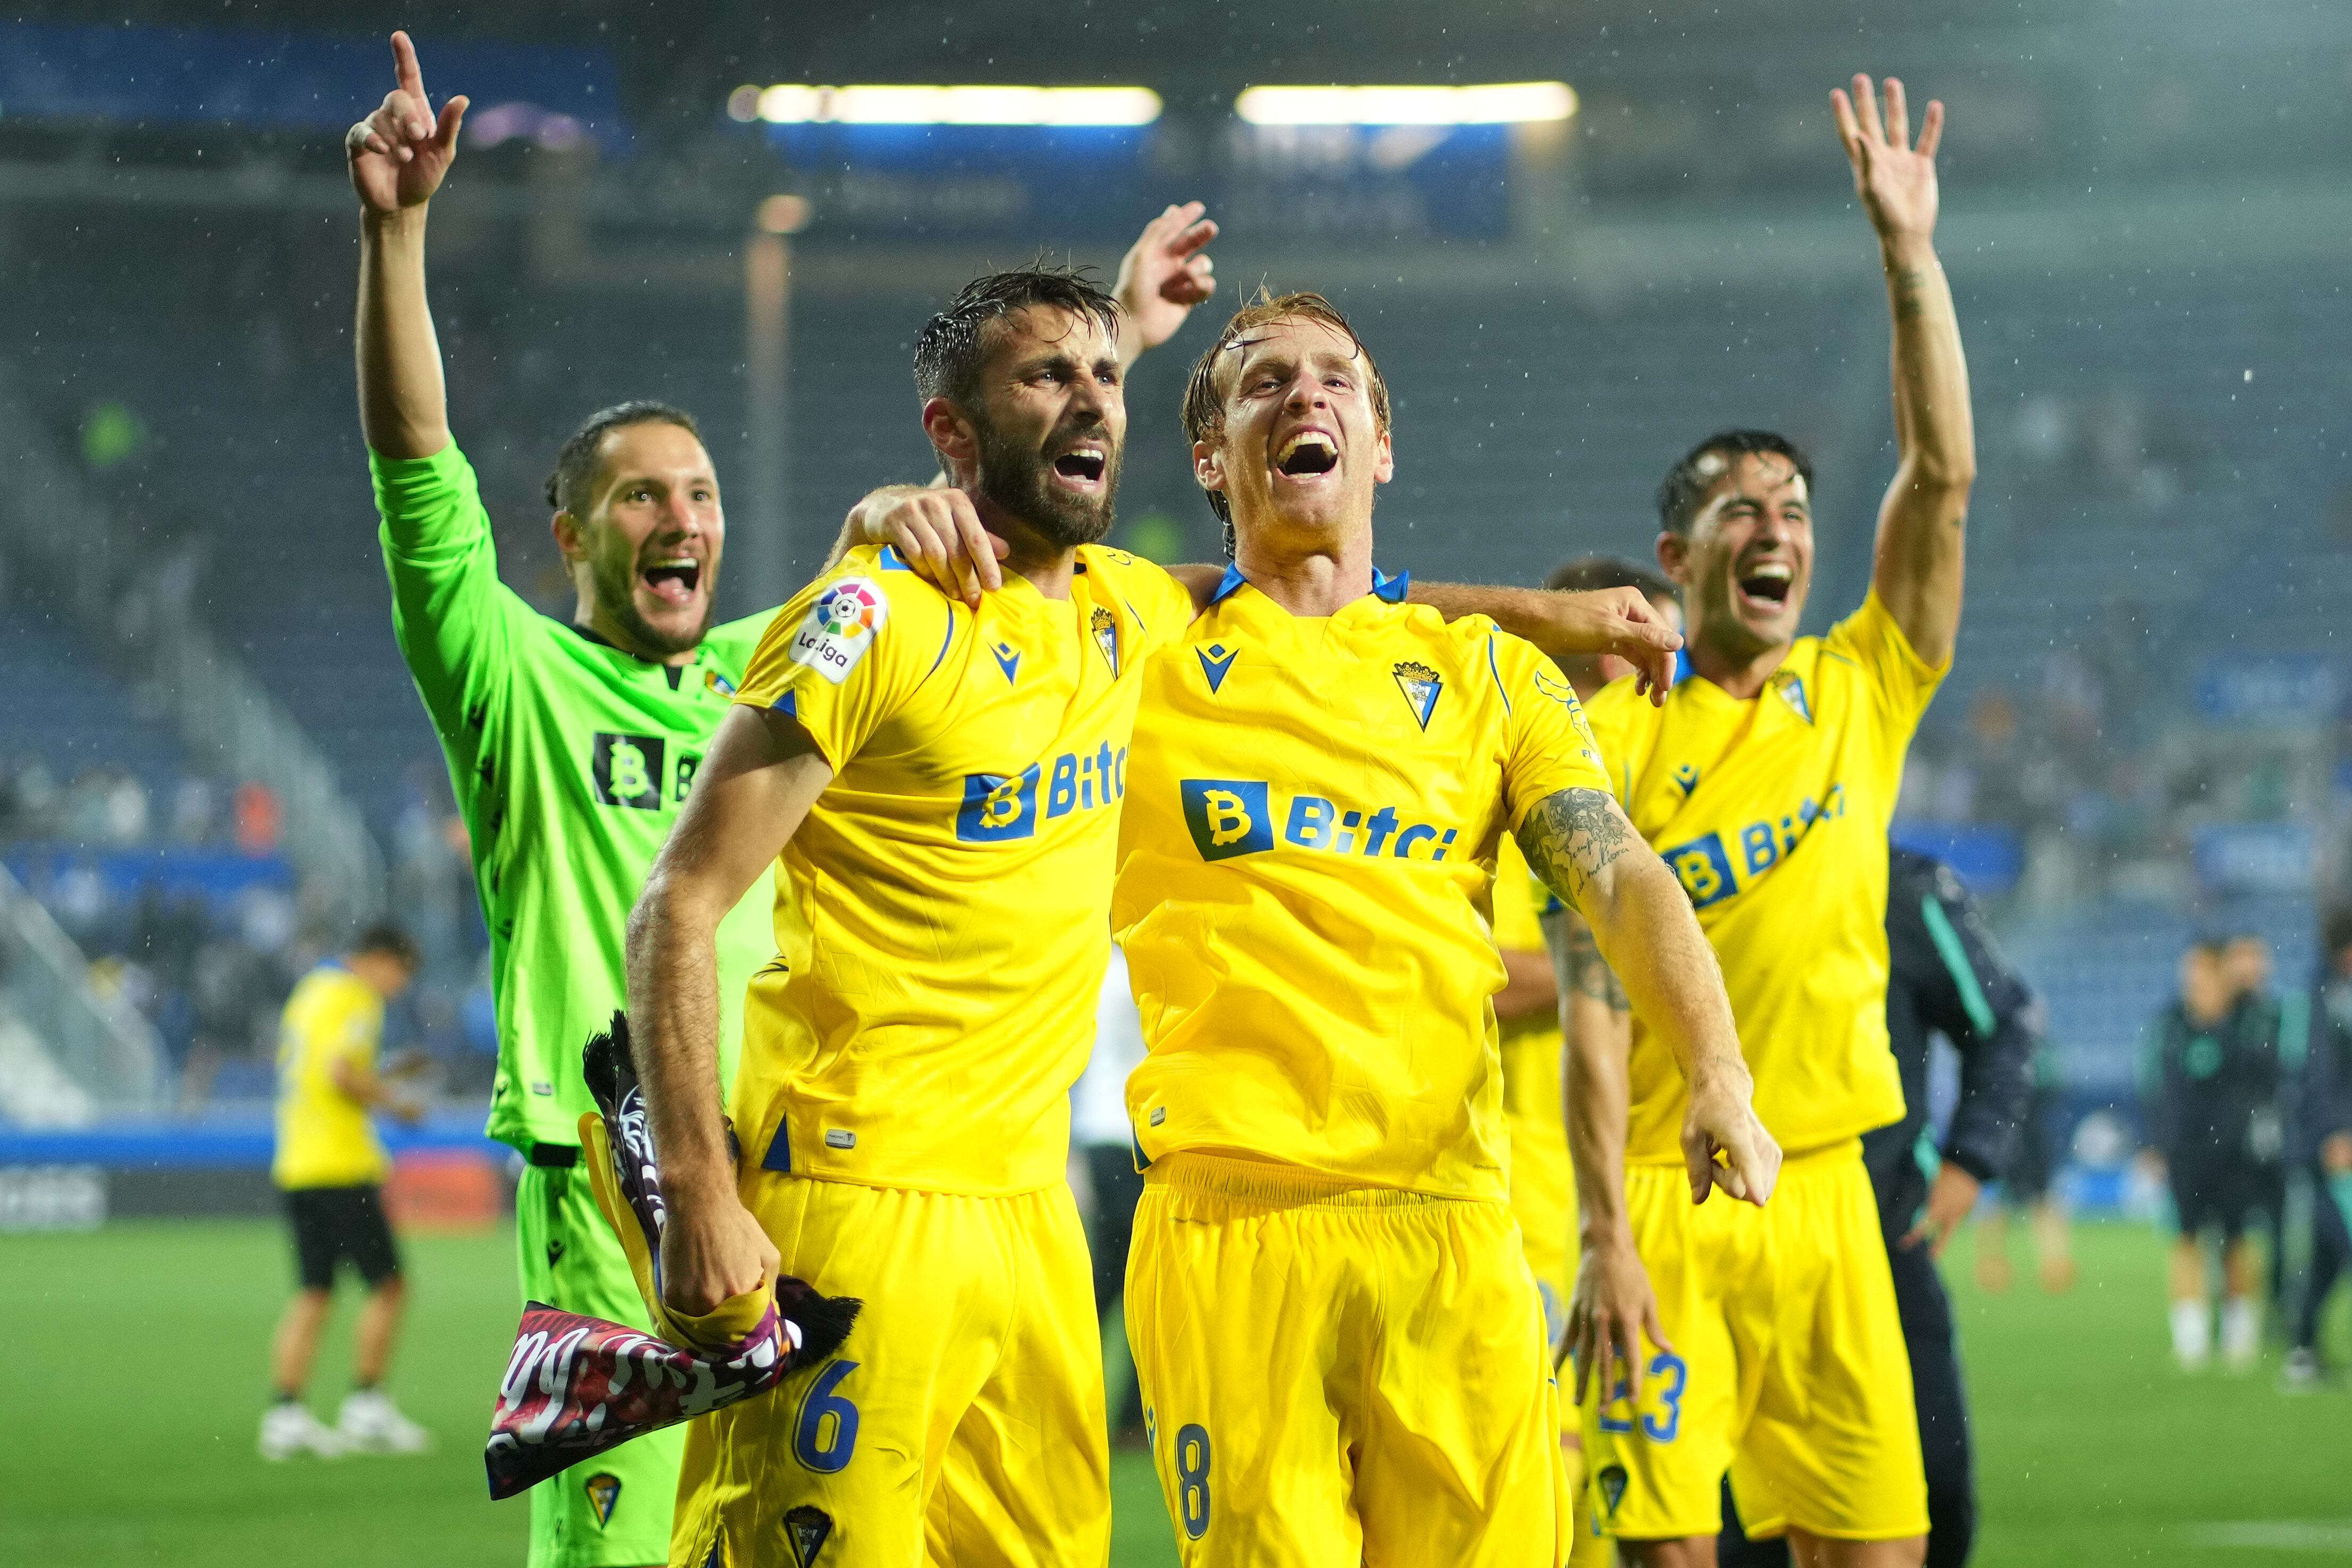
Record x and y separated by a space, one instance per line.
1301 447
1051 424
651 535
1746 562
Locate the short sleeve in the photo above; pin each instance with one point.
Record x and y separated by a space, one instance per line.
1552 747
1901 681
847 652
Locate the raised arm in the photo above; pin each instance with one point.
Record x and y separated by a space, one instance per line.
761 776
1919 559
1164 275
397 157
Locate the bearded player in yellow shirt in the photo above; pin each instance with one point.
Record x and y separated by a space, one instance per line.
1767 781
1341 1350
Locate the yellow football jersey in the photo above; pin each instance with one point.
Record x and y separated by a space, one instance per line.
1305 874
942 916
1543 1179
1773 813
324 1137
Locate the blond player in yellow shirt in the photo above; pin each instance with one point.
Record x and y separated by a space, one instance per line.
1767 781
331 1168
937 780
1341 1350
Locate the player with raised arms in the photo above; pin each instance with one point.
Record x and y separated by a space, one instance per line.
572 746
1342 1351
1767 781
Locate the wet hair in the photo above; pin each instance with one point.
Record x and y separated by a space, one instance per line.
576 464
1588 574
1687 483
1204 405
951 348
391 941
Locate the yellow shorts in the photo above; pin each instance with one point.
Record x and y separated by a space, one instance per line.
1336 1374
961 1423
1789 1368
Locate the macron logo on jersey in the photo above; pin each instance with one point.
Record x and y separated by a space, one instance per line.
1236 816
840 627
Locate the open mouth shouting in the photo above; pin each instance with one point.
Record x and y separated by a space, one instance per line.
1306 453
1082 468
674 579
1763 587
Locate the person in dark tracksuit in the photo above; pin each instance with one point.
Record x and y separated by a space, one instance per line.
2315 1058
1947 977
2209 1086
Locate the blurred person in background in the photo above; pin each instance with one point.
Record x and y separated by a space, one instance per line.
571 747
1773 743
1530 1021
1105 1145
331 1168
2208 1069
1948 978
2027 1186
2246 970
2316 1048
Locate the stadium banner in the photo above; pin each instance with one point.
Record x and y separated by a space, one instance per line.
135 75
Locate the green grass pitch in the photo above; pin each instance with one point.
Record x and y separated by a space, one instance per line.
2091 1447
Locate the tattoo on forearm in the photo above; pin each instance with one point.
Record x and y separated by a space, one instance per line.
1910 291
1570 836
1588 974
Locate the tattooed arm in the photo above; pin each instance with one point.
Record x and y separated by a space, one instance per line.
1579 843
1919 557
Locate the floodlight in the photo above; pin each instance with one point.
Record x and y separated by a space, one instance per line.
793 103
1490 103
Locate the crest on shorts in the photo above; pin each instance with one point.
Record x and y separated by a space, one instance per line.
603 1490
806 1529
1611 1482
1106 625
1420 686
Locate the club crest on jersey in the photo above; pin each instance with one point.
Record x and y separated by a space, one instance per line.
1106 629
718 683
806 1529
1420 686
603 1490
840 627
1792 688
1215 659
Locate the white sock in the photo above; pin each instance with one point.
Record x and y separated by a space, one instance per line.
2241 1328
2192 1333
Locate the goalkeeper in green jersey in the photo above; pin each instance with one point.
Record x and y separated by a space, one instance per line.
572 746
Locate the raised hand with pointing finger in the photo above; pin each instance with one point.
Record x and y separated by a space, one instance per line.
399 154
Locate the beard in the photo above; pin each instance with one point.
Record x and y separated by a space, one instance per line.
616 595
1016 479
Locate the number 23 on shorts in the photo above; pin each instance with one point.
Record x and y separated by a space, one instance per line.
826 1435
1669 1377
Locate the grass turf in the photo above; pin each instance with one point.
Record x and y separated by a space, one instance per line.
2091 1447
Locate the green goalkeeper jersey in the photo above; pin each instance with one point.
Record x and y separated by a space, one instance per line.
569 760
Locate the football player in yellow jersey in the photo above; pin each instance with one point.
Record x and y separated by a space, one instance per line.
939 782
1530 1015
1341 1350
331 1167
1767 781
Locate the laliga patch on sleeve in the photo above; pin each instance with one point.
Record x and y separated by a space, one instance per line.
840 627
